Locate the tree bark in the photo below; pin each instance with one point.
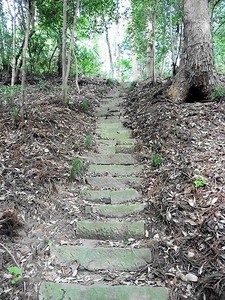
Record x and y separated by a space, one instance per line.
25 46
196 77
64 83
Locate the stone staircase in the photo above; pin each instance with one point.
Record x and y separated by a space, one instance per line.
112 201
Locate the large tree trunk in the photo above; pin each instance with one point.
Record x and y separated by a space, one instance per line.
196 77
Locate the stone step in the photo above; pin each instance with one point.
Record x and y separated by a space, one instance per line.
70 291
96 259
115 170
113 159
115 211
113 197
114 134
110 120
109 182
110 230
110 126
124 149
106 113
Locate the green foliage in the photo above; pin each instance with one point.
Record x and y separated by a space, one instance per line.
76 168
218 93
50 243
132 85
8 93
110 81
85 105
88 61
126 69
88 141
16 274
200 181
156 160
15 111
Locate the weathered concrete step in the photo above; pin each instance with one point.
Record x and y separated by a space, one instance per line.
109 230
114 134
113 159
124 149
113 197
105 113
110 120
109 182
115 170
115 146
96 259
115 211
69 291
109 124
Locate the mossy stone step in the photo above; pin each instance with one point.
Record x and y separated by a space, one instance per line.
114 134
124 149
113 159
108 196
110 126
109 230
115 211
106 112
115 170
109 182
70 291
96 259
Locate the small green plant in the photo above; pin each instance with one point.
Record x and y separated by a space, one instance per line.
126 241
200 181
156 161
88 141
85 105
50 243
8 93
16 274
43 85
110 81
76 168
132 85
15 111
218 93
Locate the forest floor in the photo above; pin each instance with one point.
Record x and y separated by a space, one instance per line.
182 146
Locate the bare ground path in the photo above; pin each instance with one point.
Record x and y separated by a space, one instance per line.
108 252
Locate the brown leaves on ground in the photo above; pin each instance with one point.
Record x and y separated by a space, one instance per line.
188 217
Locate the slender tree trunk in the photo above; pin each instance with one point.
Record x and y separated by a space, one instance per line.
133 52
13 45
109 50
66 57
134 65
196 77
150 67
64 82
51 58
149 58
25 46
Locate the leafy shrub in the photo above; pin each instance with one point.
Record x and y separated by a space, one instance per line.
16 274
218 93
111 81
156 161
85 105
76 168
132 85
15 111
88 141
200 181
8 93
